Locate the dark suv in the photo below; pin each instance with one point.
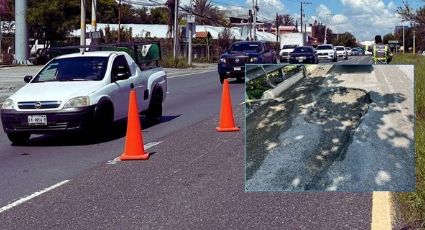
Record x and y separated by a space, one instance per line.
232 62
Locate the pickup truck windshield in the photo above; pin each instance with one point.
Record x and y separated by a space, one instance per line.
324 47
250 47
74 69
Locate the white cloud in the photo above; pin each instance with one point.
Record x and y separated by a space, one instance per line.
363 18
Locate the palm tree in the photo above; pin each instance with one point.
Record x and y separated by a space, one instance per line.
207 14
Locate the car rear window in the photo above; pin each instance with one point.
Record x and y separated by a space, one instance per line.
324 47
74 69
289 46
339 48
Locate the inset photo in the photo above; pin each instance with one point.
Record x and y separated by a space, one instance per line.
330 128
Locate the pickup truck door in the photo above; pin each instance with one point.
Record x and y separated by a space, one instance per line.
121 86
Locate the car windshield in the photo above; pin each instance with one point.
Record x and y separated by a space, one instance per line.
74 69
289 46
250 47
339 48
302 50
324 47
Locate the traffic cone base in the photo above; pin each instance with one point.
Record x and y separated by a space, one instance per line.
125 157
234 129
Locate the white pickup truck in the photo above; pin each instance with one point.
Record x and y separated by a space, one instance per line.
82 91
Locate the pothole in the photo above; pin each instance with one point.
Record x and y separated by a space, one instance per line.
338 111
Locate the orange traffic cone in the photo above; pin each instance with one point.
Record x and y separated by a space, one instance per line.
227 122
134 147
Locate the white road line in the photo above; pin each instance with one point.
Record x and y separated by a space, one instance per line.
191 74
25 199
146 147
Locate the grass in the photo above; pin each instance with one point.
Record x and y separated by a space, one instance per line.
169 62
412 205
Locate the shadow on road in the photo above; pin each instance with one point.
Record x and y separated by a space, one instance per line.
73 139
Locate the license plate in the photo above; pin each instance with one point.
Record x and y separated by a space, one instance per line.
37 120
301 58
237 68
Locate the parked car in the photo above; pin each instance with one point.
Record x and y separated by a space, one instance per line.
286 51
232 62
304 54
349 51
357 51
341 52
82 92
326 52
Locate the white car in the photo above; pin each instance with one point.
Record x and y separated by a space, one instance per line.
341 52
82 91
286 51
349 51
326 52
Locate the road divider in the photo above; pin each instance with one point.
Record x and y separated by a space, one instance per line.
134 147
227 121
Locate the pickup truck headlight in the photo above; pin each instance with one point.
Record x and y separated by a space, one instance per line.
253 59
223 60
77 102
7 104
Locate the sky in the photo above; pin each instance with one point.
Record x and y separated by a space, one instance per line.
363 18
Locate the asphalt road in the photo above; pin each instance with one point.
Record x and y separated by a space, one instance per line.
351 60
347 129
46 160
193 180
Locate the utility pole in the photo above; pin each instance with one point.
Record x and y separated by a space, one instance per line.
176 12
83 24
93 15
189 29
404 47
305 3
119 21
414 41
21 33
254 25
277 27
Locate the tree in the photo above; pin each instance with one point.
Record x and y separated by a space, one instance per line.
52 19
346 39
159 15
225 38
288 20
207 14
417 21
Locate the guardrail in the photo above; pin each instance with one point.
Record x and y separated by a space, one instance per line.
276 84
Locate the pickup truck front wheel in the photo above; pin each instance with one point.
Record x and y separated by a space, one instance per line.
103 119
222 77
18 138
154 113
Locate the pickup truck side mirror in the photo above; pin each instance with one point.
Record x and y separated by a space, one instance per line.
27 78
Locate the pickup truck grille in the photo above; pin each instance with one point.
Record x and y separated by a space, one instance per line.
39 104
237 61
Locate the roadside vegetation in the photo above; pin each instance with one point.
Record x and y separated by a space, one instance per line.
170 62
412 204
